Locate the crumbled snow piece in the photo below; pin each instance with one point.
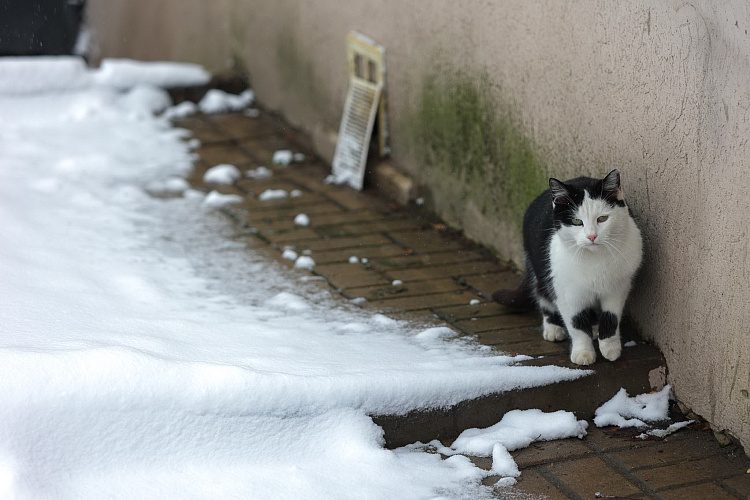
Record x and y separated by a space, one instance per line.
505 482
419 201
518 429
631 343
474 302
624 411
299 157
380 319
302 220
288 302
662 433
289 254
336 180
353 259
439 332
502 463
295 193
273 194
397 283
358 300
145 100
193 143
282 157
126 73
217 200
171 185
252 113
307 252
218 101
259 173
185 108
364 260
222 174
304 262
193 194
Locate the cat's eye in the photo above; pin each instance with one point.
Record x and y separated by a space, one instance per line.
602 218
577 222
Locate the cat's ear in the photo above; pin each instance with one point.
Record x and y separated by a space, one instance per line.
559 192
611 187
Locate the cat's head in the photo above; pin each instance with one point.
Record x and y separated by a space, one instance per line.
590 213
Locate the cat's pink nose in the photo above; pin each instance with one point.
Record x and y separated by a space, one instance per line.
592 237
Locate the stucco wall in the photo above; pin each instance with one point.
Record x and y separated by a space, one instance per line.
659 90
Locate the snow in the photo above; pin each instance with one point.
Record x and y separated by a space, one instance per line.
302 220
353 259
474 302
282 157
625 411
216 199
185 108
630 343
397 283
518 429
222 174
295 193
662 433
218 101
259 173
304 262
289 254
148 352
440 332
126 73
251 113
273 194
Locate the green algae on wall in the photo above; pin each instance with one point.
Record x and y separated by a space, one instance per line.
471 145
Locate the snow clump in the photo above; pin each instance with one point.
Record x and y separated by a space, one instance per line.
223 173
624 411
216 199
289 254
273 194
259 173
353 259
218 101
302 220
304 262
282 157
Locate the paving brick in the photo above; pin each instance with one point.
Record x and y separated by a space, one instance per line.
370 253
350 275
429 259
492 323
406 290
202 129
239 126
291 204
262 149
268 213
529 348
589 476
258 186
427 241
371 226
296 236
457 270
550 451
355 200
402 304
701 444
707 469
607 439
698 492
531 484
354 243
739 485
473 311
342 217
509 336
214 154
489 283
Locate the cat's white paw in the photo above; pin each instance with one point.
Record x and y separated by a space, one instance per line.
583 356
611 348
554 333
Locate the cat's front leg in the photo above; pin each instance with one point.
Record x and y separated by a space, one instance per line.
580 324
609 325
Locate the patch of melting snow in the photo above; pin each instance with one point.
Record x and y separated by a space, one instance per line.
222 174
273 194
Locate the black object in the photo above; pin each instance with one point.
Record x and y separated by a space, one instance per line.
39 27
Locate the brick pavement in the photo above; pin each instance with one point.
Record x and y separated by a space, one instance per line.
441 273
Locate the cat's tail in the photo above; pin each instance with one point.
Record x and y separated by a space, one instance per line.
521 298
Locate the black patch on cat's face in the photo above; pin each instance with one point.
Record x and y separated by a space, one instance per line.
607 325
585 320
568 196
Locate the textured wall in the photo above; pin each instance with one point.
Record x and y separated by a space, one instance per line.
659 90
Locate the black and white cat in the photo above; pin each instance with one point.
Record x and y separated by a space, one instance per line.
582 250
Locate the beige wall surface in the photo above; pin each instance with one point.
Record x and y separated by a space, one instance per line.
488 99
